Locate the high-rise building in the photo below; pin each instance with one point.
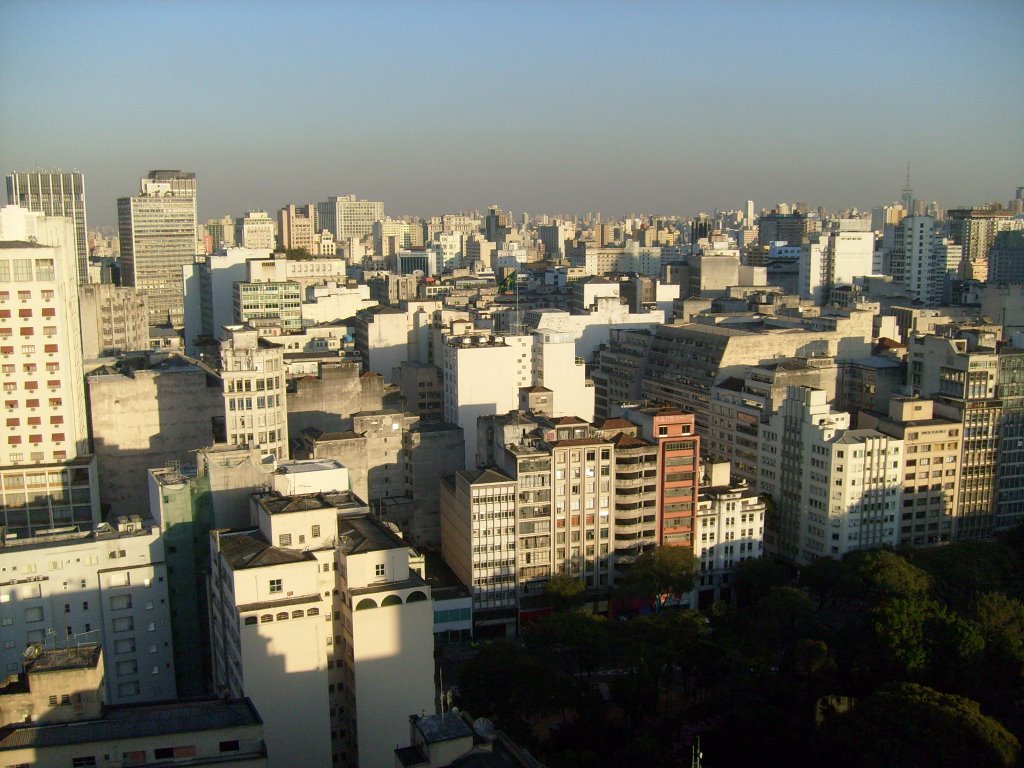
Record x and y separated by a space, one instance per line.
220 233
255 230
296 226
158 232
346 216
113 320
974 229
920 258
255 401
835 489
960 374
930 471
55 193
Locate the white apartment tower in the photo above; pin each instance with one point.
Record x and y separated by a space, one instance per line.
55 193
835 489
158 232
48 479
256 412
920 258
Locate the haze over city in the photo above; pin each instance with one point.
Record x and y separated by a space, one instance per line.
566 107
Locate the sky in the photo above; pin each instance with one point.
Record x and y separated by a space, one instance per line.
557 107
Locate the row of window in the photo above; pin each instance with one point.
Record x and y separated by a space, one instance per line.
267 618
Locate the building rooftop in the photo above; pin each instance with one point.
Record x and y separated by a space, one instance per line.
57 659
856 436
311 465
137 721
361 533
443 727
248 549
20 244
484 476
274 503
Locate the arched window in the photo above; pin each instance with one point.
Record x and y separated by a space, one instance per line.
365 604
415 597
282 616
391 600
266 618
297 614
313 612
250 620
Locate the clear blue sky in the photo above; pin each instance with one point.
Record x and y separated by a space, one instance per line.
559 107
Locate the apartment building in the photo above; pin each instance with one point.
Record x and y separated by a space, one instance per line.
729 530
255 400
931 468
835 489
105 586
320 616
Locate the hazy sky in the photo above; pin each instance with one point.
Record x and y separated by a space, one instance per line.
559 107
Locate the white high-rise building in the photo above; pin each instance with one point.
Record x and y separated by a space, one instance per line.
255 230
159 235
106 586
920 258
256 409
835 489
346 216
835 258
55 193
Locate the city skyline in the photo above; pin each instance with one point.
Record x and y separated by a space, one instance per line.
656 108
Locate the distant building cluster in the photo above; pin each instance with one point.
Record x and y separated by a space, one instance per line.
254 471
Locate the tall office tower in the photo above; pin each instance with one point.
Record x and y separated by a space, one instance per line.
1006 258
158 231
919 258
346 216
930 474
497 224
255 230
1010 472
781 227
106 585
835 489
960 374
296 226
45 446
256 408
55 193
974 229
554 237
749 214
220 233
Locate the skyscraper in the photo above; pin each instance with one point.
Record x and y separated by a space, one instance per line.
55 193
48 478
346 217
158 237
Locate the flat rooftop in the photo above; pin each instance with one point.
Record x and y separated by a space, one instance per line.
137 721
58 659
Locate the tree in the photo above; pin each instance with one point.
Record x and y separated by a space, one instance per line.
564 592
916 727
754 579
659 574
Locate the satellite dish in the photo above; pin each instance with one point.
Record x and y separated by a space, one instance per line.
484 727
31 652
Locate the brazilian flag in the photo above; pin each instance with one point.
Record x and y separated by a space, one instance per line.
509 284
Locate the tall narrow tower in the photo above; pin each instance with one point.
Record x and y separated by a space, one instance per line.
158 237
907 195
55 193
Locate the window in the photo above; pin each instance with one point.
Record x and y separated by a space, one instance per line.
316 531
378 570
129 689
284 540
77 762
229 746
275 585
124 646
124 624
33 615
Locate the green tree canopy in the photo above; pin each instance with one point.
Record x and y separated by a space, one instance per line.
659 574
564 592
912 726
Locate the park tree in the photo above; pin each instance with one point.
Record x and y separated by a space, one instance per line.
913 726
659 574
564 592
